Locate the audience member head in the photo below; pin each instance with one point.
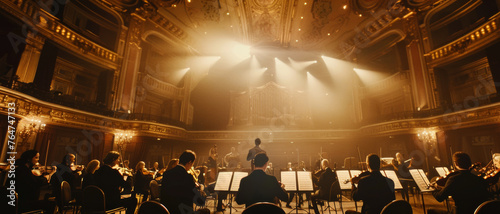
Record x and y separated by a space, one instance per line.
462 160
29 158
126 163
257 141
68 159
187 159
373 162
92 166
261 160
112 158
140 166
172 163
325 164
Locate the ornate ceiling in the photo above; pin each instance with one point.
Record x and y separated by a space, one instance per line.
313 25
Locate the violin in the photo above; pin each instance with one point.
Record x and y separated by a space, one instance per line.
355 179
441 181
492 176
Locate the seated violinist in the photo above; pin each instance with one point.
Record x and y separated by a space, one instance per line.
374 189
492 177
28 182
112 183
325 183
66 171
178 190
467 190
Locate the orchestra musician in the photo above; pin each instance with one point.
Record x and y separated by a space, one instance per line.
492 176
401 167
467 190
254 151
232 158
374 189
112 183
259 187
212 164
142 177
66 171
28 182
325 183
178 190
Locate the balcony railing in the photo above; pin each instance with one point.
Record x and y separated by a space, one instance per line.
49 26
460 45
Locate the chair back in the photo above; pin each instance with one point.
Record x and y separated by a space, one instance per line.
65 193
93 200
335 191
154 189
397 207
148 207
487 207
263 207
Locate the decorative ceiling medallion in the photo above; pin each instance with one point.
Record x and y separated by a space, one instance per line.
266 3
416 3
365 6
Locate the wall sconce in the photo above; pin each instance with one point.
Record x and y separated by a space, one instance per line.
29 126
122 139
428 138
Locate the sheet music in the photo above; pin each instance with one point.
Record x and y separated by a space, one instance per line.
394 177
421 180
442 171
235 184
223 181
289 179
305 181
344 179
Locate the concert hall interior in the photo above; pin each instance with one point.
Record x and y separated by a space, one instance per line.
312 79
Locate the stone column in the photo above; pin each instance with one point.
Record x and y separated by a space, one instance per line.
30 57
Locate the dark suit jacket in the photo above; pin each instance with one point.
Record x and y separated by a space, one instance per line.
325 182
468 191
253 151
178 190
110 181
376 191
259 187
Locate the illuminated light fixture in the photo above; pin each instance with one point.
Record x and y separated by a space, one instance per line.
205 33
157 138
299 29
305 3
240 50
328 34
315 61
29 126
297 40
291 142
189 1
174 5
227 13
122 139
345 7
231 26
301 17
360 15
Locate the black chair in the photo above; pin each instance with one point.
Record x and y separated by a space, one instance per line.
149 207
397 207
94 202
65 200
154 190
263 207
335 195
488 207
29 212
